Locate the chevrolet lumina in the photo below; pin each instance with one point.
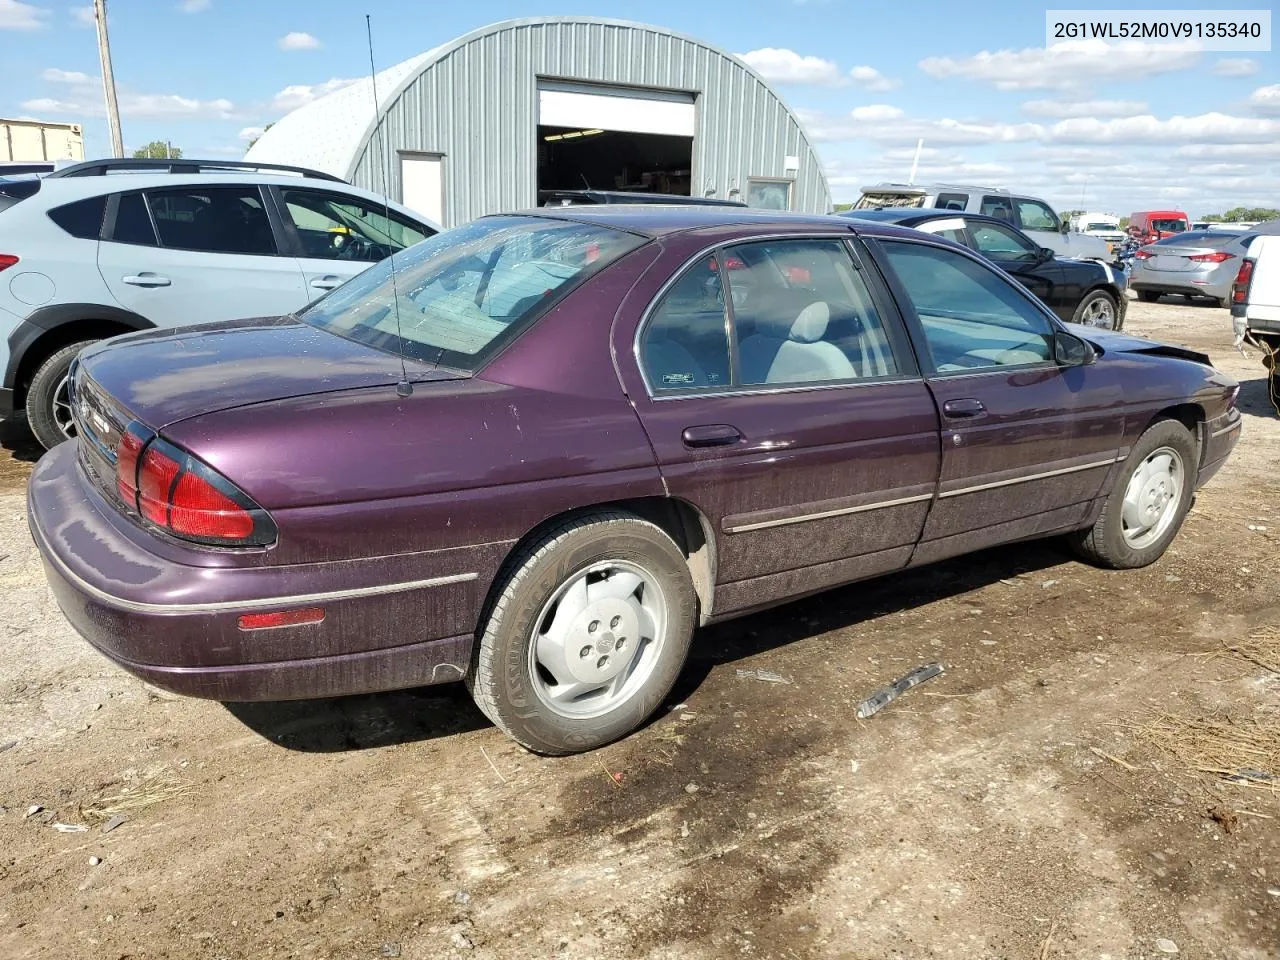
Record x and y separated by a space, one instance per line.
536 452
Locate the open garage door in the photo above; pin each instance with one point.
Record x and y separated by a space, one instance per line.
614 138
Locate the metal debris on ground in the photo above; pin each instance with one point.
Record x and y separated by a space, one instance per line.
890 692
71 828
113 823
1166 946
390 950
32 810
768 676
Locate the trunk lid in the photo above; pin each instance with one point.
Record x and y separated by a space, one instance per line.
163 376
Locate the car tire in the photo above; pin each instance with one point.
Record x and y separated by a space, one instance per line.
1098 309
1148 296
48 410
567 659
1143 513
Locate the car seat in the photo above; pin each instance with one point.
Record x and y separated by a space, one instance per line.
794 352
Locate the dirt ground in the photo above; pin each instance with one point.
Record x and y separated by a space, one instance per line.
1012 808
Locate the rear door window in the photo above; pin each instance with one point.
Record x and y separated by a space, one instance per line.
81 219
1001 207
228 219
685 345
132 221
1034 215
952 201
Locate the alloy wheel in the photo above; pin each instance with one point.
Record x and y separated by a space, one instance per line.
62 408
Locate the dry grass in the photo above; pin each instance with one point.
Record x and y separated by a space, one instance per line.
146 791
1241 745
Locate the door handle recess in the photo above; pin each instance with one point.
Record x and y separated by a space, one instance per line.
147 280
711 435
966 409
326 283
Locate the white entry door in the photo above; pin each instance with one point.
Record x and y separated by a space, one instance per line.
422 184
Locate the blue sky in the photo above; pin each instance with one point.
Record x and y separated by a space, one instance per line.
1133 128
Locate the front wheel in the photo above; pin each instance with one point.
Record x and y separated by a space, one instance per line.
588 635
1148 501
1097 309
49 398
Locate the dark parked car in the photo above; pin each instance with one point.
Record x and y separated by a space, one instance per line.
1078 291
549 446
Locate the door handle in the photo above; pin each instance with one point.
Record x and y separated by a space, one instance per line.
147 280
966 409
326 283
711 435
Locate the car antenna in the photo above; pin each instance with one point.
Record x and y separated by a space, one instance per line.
404 388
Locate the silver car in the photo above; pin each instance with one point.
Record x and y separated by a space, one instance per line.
1198 263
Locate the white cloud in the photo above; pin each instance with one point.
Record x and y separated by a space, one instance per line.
83 97
193 6
1235 67
84 16
869 78
1266 99
876 111
1206 127
15 15
779 65
1242 151
1065 65
251 133
298 41
1083 108
294 96
54 75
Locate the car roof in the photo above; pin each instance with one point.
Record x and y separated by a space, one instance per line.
911 215
655 220
57 191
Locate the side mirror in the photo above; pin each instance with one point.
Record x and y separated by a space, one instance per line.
1045 254
1064 226
1072 351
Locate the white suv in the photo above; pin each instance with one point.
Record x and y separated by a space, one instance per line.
111 246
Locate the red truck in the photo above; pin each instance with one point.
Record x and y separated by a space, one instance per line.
1158 224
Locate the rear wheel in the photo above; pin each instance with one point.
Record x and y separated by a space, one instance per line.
1097 309
1148 296
49 400
588 635
1148 501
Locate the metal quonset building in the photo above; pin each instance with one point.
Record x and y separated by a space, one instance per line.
493 119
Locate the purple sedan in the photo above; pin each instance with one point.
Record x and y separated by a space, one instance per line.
545 448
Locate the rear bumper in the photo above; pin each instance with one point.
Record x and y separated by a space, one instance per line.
1216 289
177 627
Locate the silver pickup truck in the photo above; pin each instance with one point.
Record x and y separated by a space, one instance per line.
1030 214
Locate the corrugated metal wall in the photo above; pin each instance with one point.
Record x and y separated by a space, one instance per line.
478 105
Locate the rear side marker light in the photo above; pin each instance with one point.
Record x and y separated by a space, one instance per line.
1218 256
7 260
281 618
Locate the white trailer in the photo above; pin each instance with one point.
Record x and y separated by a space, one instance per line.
31 141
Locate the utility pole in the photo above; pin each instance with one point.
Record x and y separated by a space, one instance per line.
108 78
916 161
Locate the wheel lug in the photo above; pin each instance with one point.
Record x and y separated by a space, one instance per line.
585 651
602 663
613 624
622 642
593 626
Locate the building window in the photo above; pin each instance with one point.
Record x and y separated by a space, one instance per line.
769 193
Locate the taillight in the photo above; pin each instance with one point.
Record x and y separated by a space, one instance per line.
1240 289
1143 255
184 497
1218 256
7 260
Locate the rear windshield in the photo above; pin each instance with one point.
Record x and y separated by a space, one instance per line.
1202 238
457 298
1169 226
871 201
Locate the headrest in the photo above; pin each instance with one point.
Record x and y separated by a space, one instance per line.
811 325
